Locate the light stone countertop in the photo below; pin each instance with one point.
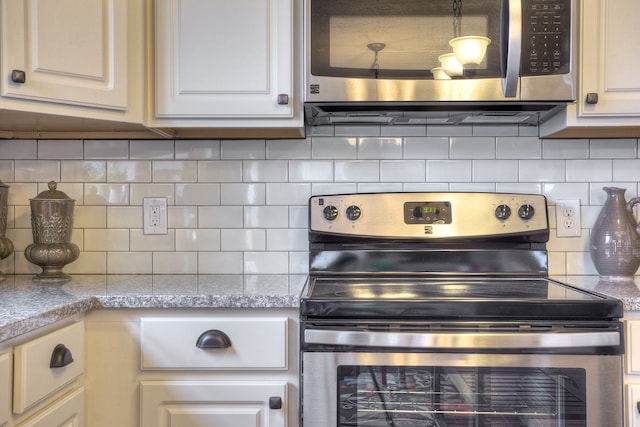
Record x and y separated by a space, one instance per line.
628 291
26 306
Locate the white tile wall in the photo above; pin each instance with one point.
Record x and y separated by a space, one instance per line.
237 208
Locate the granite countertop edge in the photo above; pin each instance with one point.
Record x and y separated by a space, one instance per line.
26 306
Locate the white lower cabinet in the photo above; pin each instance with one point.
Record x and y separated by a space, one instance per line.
5 388
632 369
192 368
244 345
42 379
203 403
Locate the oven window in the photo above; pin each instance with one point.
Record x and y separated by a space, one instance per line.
429 396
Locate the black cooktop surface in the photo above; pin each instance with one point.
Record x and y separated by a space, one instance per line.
457 297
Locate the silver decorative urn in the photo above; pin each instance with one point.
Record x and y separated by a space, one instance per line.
52 224
6 246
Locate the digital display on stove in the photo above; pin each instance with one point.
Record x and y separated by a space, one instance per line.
427 213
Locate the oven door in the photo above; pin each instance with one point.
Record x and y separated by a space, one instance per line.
348 389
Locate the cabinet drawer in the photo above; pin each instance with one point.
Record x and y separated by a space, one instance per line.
244 343
34 378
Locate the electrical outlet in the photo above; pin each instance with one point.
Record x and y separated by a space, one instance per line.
568 218
154 219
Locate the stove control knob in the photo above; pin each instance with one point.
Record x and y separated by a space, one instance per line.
526 212
330 213
353 212
503 212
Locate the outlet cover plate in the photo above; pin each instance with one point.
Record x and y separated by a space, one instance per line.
154 215
568 223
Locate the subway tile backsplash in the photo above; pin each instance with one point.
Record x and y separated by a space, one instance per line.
238 208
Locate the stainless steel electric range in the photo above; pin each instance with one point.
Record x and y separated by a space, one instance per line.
436 309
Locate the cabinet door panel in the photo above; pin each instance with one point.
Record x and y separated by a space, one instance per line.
71 51
223 59
610 59
66 412
212 403
5 388
633 399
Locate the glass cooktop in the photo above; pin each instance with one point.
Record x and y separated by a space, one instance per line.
444 289
457 297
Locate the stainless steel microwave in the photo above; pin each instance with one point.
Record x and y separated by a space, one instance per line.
455 54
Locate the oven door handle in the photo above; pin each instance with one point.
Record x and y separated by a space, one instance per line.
463 340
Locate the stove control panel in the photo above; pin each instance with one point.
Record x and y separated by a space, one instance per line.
428 215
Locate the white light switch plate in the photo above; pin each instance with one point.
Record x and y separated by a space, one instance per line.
154 211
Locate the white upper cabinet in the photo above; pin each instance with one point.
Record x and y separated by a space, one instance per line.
221 59
65 52
608 103
610 58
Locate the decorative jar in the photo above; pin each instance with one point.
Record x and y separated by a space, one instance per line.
6 246
52 224
615 238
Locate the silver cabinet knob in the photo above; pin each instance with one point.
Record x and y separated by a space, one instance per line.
275 402
283 99
18 76
592 98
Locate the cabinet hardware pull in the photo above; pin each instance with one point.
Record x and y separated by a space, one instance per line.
275 402
60 357
283 99
18 76
592 98
213 338
638 406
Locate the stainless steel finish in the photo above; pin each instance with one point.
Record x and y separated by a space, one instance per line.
553 88
465 340
603 376
446 298
539 88
474 214
510 82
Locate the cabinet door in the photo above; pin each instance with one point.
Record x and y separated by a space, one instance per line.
69 51
5 388
224 59
212 403
610 58
65 412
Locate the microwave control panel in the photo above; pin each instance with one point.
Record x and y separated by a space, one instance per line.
546 37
